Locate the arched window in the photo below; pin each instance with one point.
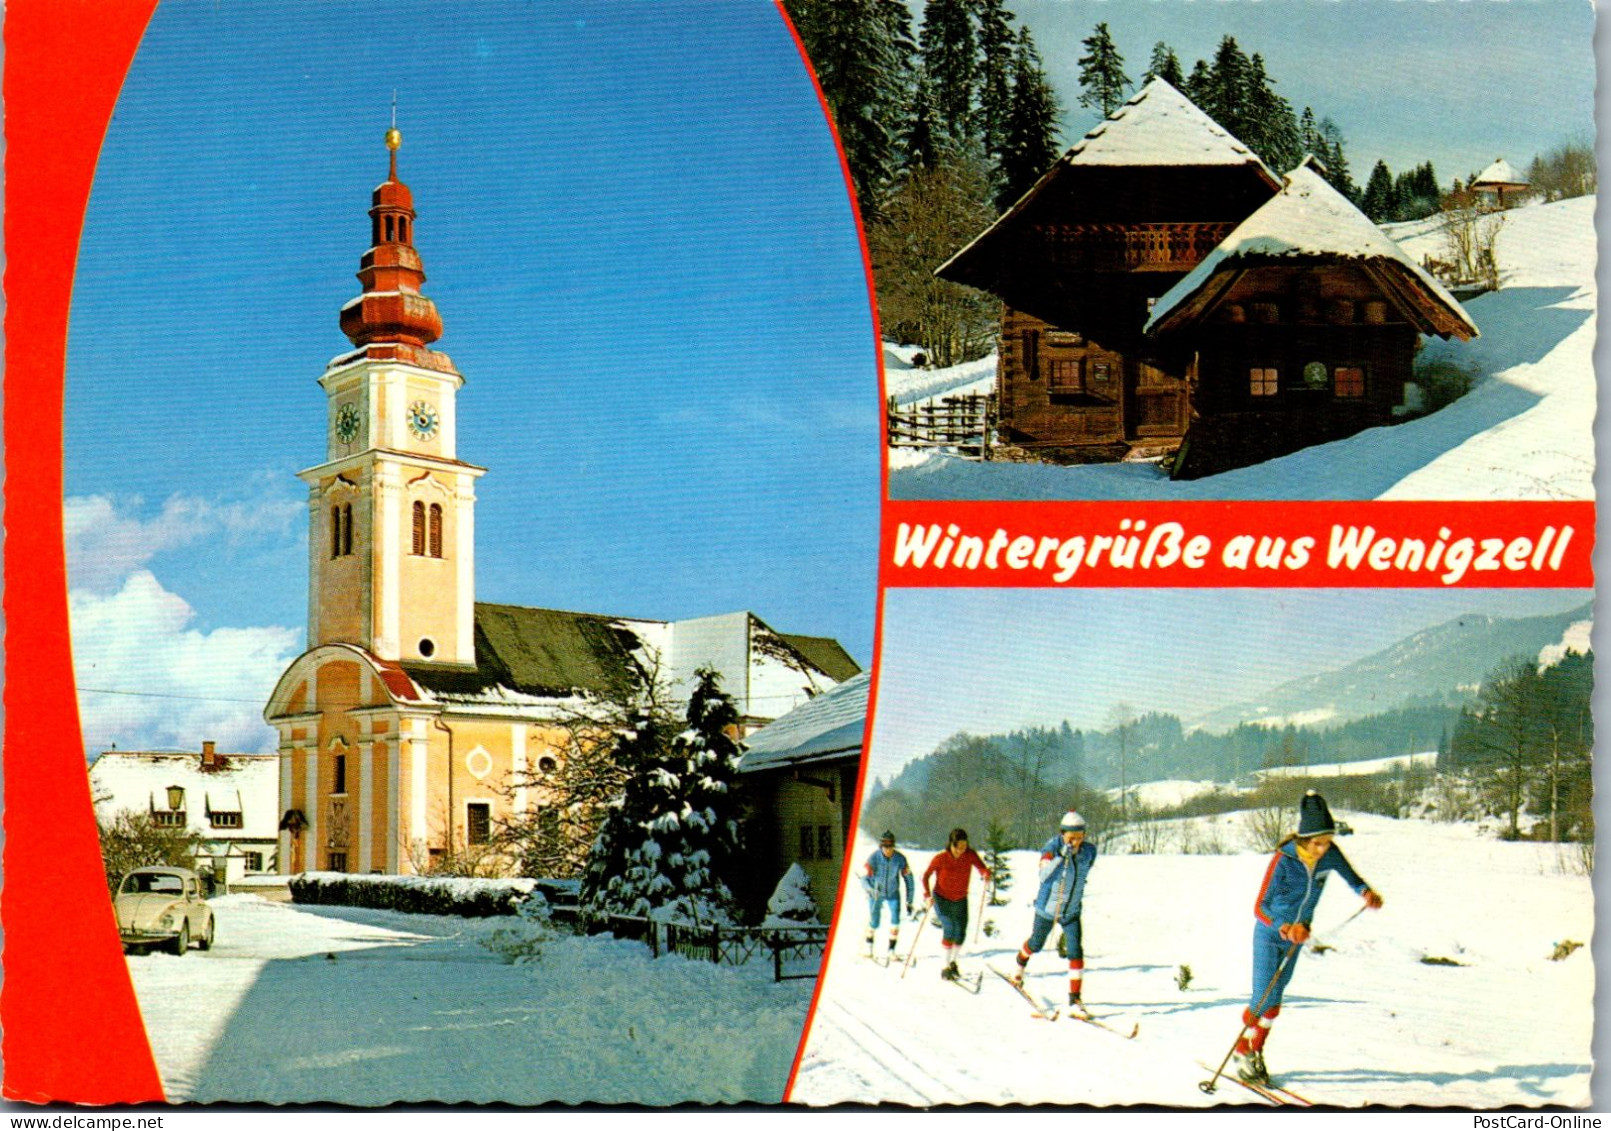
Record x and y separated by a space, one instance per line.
419 528
335 532
346 529
389 222
402 229
436 530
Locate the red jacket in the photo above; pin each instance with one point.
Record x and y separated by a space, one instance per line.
951 873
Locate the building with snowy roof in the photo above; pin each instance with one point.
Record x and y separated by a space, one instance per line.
800 776
228 801
1500 185
1083 259
419 718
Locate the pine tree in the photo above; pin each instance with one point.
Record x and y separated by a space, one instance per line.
1379 201
1198 84
997 846
861 51
996 48
1228 87
666 846
948 50
1102 78
1269 127
1165 64
1335 161
1031 145
921 145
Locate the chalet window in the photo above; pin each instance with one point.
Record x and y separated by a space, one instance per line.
808 842
168 818
478 822
335 861
1064 374
1263 382
225 820
253 861
436 530
1349 381
824 842
419 529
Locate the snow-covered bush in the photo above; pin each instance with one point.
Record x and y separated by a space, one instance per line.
522 940
791 904
419 895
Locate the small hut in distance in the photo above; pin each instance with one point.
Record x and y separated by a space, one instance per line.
1499 185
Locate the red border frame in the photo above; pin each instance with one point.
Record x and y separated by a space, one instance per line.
72 1026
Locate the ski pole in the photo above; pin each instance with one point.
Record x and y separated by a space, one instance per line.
917 934
1345 922
984 898
1258 1010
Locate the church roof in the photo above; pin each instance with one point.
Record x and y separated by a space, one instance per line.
1309 221
826 653
830 726
541 652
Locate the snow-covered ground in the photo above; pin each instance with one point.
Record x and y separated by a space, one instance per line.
1525 431
1367 1022
306 1004
909 384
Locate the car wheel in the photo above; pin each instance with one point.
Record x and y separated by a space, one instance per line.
181 941
206 940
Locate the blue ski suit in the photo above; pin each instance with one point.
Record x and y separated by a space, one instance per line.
882 877
1288 895
1063 872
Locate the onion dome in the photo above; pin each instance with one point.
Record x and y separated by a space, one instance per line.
391 308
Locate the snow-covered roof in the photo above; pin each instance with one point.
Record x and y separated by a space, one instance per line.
1308 220
1160 126
248 784
1499 173
830 725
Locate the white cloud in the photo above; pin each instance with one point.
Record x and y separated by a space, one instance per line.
1576 638
148 680
107 539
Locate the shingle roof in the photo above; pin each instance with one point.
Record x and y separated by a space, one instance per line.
547 652
826 653
831 726
1499 173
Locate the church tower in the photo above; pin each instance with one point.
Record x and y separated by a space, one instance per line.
391 522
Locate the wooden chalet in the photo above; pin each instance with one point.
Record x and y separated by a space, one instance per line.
1499 185
1163 291
1078 260
1304 324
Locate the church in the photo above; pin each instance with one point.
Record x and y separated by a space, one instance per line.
418 718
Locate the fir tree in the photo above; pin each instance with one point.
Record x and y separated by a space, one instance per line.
861 51
1335 160
1228 87
1031 145
1270 129
1102 78
921 142
996 49
1165 64
1380 201
665 848
1197 85
948 52
997 846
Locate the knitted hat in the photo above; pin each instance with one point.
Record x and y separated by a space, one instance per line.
1314 819
1072 822
887 838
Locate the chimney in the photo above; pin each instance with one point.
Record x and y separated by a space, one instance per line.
209 755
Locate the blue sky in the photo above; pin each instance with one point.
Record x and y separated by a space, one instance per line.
1073 654
634 226
1456 82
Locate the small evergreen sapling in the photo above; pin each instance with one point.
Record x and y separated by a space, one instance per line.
791 904
997 846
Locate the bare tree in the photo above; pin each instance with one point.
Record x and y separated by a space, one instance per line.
132 840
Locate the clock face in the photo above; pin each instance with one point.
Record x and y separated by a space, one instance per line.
422 419
347 423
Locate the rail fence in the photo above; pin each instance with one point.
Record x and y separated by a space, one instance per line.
964 421
790 949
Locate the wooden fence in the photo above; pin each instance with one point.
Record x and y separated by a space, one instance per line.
965 421
795 952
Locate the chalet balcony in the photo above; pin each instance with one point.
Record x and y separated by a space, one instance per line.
1132 247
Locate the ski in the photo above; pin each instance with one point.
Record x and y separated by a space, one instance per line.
1278 1097
1040 1009
965 982
1079 1013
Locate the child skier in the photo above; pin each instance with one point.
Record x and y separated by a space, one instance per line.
949 873
886 870
1065 863
1284 909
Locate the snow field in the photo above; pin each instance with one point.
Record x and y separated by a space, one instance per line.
308 1004
1366 1022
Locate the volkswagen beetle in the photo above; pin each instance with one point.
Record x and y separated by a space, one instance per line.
162 907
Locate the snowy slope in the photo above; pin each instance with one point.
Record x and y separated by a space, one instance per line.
1525 431
1365 1023
909 384
303 1004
